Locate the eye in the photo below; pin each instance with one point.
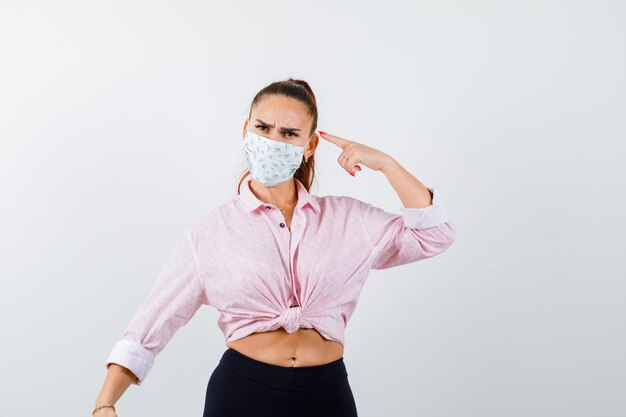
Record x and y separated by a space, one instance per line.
291 134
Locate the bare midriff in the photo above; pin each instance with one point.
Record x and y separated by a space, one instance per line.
305 347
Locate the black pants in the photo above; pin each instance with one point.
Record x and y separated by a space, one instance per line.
241 386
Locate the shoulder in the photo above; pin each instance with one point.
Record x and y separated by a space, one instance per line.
212 218
341 199
339 203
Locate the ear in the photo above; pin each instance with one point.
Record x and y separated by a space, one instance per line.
310 150
245 127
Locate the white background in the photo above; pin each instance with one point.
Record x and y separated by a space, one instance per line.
121 122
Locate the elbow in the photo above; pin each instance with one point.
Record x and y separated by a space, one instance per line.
436 240
448 234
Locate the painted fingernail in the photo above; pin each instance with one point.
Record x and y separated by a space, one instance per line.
323 133
352 173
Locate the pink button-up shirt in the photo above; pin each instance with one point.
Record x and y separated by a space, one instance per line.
243 260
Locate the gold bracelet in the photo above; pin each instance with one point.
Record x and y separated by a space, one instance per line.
102 406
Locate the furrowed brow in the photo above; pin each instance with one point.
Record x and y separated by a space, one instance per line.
283 129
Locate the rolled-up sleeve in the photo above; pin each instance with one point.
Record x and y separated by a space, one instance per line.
174 298
412 235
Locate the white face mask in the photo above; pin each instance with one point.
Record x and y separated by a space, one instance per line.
270 161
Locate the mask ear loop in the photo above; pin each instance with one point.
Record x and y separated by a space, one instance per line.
306 159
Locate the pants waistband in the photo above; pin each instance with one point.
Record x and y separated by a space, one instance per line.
292 378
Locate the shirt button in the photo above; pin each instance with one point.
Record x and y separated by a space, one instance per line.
282 225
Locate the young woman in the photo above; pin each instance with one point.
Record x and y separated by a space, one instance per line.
283 267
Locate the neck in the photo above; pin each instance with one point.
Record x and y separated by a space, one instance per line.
283 195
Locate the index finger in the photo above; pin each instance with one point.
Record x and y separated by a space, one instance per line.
339 141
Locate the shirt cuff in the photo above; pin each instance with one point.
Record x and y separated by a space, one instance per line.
133 356
429 216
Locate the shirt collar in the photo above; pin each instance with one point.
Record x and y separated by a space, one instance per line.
250 202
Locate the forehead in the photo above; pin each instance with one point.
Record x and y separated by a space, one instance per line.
282 111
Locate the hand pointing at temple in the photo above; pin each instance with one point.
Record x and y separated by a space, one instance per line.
354 153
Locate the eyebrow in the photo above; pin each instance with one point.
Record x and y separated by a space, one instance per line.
284 129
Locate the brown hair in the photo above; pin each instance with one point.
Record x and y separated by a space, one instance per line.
300 90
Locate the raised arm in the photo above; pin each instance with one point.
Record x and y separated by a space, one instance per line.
420 231
412 235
